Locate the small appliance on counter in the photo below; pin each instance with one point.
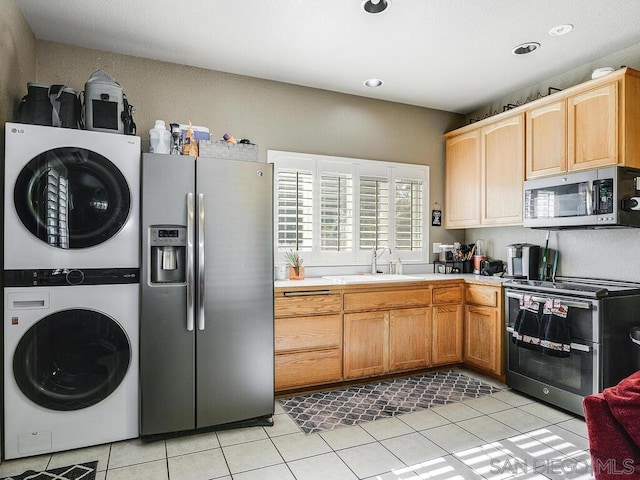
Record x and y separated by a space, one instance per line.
523 260
491 267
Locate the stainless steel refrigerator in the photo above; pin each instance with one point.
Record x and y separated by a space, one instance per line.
206 333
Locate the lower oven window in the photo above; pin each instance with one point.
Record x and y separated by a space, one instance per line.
573 373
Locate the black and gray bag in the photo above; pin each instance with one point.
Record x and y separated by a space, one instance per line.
50 105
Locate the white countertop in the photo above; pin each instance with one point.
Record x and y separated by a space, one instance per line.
412 277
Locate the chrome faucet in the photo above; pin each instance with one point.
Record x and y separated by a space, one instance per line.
375 254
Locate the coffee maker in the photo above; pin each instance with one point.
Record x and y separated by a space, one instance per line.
523 261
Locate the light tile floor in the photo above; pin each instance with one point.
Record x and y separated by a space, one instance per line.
502 436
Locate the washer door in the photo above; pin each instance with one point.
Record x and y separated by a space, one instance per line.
71 359
72 198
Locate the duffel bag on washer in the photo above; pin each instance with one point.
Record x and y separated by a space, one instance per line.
50 105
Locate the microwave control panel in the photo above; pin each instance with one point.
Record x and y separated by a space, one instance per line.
604 192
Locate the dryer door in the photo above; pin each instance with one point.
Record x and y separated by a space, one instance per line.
72 198
71 359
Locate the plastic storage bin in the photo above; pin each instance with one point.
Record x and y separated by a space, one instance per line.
229 151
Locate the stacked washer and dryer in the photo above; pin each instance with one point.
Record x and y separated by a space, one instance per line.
71 268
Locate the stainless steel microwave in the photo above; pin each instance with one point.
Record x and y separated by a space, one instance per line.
600 198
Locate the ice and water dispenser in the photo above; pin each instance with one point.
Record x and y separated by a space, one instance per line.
168 245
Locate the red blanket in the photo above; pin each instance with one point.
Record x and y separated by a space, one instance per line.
624 403
613 425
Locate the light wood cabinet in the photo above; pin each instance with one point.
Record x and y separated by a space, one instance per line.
386 299
462 181
345 333
447 334
546 140
409 339
502 172
484 175
308 338
366 337
593 125
593 128
483 326
388 331
446 319
587 126
385 341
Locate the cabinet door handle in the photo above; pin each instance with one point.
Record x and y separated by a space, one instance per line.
309 293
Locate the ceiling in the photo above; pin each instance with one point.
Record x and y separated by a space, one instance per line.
453 55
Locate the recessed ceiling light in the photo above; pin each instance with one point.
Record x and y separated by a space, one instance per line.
525 48
375 6
560 30
373 82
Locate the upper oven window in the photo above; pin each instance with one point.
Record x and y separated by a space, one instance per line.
72 198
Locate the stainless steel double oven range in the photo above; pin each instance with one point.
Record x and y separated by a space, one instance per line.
600 314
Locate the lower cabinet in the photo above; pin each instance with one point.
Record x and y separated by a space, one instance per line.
308 339
385 341
328 336
447 324
409 339
447 334
483 323
366 337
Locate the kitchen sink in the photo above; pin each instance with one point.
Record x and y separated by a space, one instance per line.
380 278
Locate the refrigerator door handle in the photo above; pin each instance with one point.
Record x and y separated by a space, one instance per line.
190 271
201 286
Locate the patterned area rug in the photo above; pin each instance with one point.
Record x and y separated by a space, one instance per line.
323 411
83 471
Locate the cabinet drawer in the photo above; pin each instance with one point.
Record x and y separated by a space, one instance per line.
300 333
308 368
452 294
307 303
482 295
382 300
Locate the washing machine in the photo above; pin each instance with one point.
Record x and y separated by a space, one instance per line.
71 198
70 361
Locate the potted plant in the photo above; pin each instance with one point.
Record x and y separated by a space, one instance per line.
296 270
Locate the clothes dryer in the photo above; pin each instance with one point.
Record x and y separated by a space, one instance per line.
70 362
71 198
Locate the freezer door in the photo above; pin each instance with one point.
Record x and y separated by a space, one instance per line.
167 347
234 334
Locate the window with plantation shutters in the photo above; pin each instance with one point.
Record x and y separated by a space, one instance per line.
294 216
335 211
409 214
374 212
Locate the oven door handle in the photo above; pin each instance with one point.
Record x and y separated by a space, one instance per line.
566 303
574 346
580 347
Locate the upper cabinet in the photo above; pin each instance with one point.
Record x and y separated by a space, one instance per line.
484 174
587 126
462 174
546 128
502 164
592 125
593 128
